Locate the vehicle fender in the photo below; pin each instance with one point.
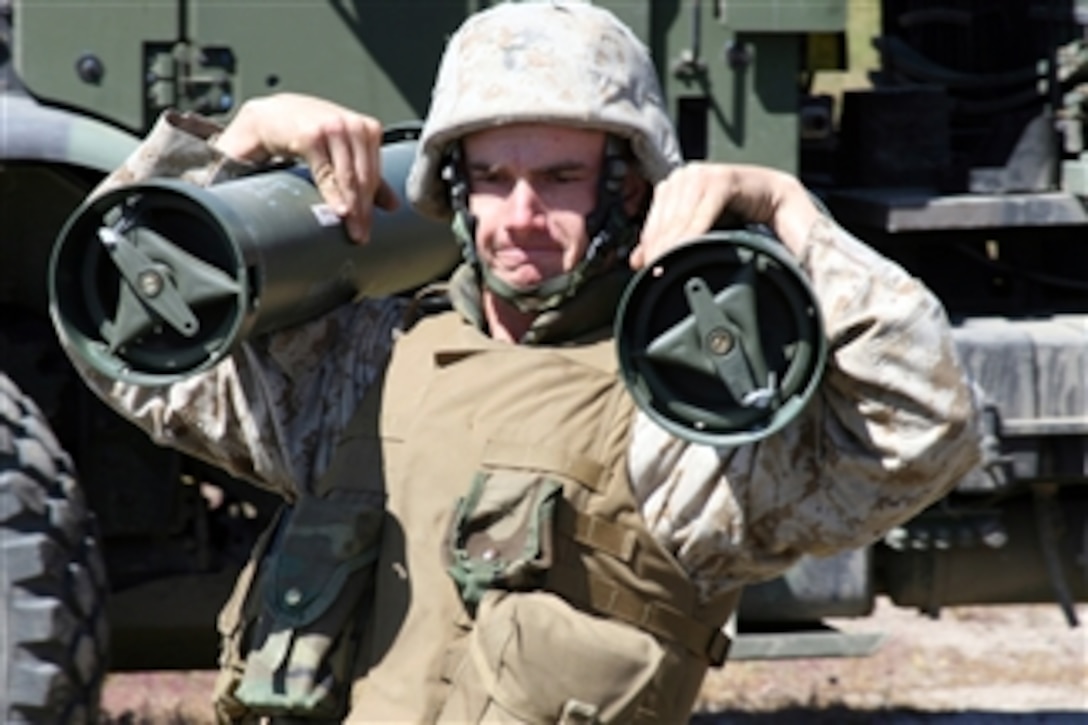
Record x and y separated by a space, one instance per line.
34 132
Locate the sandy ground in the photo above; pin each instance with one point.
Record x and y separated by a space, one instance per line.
973 665
986 661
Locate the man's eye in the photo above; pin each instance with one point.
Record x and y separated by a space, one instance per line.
567 175
489 179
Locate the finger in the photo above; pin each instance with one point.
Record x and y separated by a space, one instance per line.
709 205
667 218
662 207
345 178
651 229
318 158
368 138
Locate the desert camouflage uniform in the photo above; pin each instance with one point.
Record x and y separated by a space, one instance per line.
893 432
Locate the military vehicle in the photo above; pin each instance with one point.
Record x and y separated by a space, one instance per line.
962 156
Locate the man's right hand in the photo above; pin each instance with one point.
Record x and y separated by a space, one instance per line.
341 148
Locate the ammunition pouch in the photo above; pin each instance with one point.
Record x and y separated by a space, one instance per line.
501 533
500 546
533 658
291 630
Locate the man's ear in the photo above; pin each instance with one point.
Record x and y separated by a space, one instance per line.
636 189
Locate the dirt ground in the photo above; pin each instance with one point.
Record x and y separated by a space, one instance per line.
987 664
979 665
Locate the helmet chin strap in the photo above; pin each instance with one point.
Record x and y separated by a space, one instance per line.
611 230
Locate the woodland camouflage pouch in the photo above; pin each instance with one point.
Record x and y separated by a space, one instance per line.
302 623
501 533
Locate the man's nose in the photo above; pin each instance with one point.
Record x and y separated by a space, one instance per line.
524 204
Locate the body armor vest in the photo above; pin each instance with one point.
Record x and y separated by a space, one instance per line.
541 596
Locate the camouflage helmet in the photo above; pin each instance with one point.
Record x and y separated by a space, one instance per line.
558 61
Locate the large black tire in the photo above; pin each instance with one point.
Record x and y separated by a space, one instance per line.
53 628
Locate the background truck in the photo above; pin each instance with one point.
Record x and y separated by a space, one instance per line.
962 156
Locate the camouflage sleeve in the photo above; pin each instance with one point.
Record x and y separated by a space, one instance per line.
894 426
271 412
178 148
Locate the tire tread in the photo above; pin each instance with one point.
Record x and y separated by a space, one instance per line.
53 638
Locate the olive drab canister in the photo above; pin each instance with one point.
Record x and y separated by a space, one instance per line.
720 340
155 281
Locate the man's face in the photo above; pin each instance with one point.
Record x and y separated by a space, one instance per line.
531 186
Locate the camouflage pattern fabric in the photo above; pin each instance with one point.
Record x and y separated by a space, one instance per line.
892 429
315 582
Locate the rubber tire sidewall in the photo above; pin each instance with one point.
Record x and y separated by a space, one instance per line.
53 632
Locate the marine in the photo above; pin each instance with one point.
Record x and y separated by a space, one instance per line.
479 524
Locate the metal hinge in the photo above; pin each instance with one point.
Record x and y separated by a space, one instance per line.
189 78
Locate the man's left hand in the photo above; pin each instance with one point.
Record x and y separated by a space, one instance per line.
691 200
